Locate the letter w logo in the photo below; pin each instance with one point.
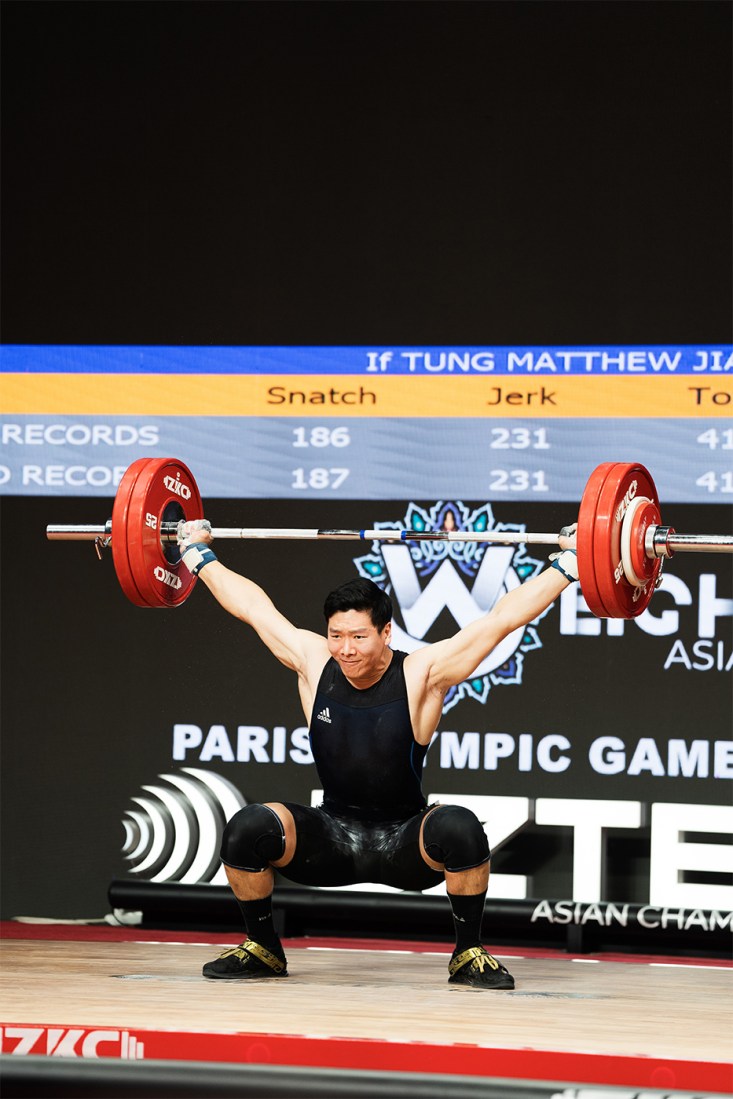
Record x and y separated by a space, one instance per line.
446 590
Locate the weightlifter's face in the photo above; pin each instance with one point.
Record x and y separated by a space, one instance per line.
359 648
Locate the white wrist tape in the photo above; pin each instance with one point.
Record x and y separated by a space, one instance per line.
196 556
567 563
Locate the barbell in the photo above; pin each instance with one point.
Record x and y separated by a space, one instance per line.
621 542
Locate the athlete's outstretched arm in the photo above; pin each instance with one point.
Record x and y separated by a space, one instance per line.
247 601
452 661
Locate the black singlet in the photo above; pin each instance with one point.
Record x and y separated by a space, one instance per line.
366 755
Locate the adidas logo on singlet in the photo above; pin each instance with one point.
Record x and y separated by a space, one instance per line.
325 716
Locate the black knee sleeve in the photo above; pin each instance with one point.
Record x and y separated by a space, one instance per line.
252 839
455 837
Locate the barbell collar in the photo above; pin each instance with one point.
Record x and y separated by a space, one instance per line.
663 541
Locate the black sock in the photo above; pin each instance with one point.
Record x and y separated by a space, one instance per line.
468 910
260 928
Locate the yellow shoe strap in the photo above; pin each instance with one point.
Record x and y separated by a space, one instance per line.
270 960
473 953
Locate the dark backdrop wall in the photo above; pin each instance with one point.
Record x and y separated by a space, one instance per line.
346 172
105 701
337 173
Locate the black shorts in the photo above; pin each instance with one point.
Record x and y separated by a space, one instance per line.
332 850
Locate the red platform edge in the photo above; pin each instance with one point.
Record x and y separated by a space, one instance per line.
365 1054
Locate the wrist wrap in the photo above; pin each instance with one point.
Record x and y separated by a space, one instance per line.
567 563
196 556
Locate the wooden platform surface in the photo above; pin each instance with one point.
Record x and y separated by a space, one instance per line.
560 1003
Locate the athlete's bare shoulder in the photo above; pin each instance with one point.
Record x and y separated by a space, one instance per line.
314 649
314 658
417 667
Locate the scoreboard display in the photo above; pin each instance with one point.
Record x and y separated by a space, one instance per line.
369 423
598 750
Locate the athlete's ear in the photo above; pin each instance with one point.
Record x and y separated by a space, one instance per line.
387 632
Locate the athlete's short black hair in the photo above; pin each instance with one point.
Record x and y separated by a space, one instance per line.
360 595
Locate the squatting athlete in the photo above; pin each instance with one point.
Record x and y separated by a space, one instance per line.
372 712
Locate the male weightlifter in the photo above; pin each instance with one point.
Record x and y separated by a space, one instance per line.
372 713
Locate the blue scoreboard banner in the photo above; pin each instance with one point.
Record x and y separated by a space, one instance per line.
656 360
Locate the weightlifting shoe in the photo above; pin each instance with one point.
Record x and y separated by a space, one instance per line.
247 961
477 968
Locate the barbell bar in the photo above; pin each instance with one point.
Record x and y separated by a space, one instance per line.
664 541
621 540
90 533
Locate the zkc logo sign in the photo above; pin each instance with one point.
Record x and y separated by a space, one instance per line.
51 1041
439 587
